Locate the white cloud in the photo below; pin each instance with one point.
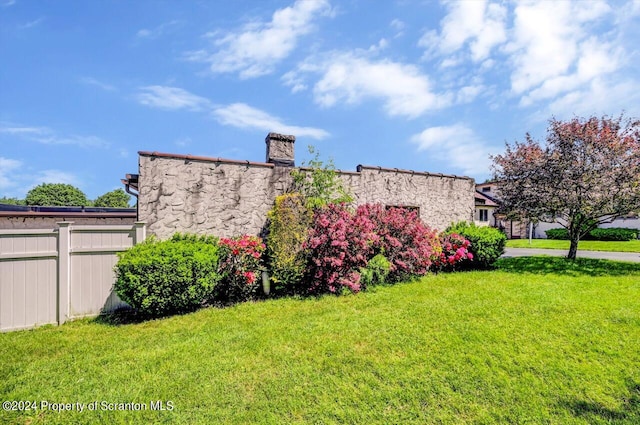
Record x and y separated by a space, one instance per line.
54 176
477 23
32 24
595 59
549 38
171 98
47 136
16 179
600 97
398 26
554 54
244 116
93 82
237 114
158 31
7 168
352 77
7 3
258 47
468 94
183 141
458 145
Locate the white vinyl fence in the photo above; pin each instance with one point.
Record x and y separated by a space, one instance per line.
53 275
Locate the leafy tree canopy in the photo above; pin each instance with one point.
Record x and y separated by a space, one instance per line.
11 201
115 199
56 194
586 174
319 183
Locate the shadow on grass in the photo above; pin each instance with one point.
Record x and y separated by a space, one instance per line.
563 266
122 316
629 412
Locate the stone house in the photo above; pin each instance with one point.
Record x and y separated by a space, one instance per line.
225 197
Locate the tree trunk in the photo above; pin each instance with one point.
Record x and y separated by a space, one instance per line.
573 248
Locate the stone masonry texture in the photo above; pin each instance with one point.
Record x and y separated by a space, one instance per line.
230 198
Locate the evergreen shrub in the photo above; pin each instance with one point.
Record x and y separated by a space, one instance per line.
486 243
158 278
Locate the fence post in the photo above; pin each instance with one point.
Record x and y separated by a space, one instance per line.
141 232
64 278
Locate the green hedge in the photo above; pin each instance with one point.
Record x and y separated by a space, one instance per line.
487 243
614 234
559 234
159 278
610 234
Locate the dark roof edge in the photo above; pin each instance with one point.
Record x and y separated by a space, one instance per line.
488 198
420 173
124 214
64 210
204 159
355 173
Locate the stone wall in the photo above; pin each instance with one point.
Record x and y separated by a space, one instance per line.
213 196
179 193
441 199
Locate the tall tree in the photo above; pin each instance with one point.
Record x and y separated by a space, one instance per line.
588 173
57 195
115 199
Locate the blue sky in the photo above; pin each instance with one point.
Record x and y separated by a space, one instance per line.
422 85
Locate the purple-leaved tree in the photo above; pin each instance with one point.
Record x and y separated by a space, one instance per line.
588 173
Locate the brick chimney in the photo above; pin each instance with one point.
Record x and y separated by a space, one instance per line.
280 149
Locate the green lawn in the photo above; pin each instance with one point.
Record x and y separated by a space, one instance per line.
542 340
629 246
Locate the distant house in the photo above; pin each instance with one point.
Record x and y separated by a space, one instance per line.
485 210
36 217
487 213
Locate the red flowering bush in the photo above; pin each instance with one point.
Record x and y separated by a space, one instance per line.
410 245
339 243
455 250
240 268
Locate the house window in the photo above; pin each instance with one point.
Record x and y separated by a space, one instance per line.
484 215
486 189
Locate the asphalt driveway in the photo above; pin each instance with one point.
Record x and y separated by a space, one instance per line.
605 255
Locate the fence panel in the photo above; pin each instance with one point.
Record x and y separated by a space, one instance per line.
28 278
52 275
93 255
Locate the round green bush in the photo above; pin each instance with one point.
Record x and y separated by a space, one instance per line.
159 278
487 243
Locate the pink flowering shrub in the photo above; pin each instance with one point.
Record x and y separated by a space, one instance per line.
410 245
340 243
240 268
455 252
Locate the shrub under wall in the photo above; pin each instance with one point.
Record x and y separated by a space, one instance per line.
289 222
159 278
487 243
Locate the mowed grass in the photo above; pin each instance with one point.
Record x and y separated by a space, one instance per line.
613 246
542 340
